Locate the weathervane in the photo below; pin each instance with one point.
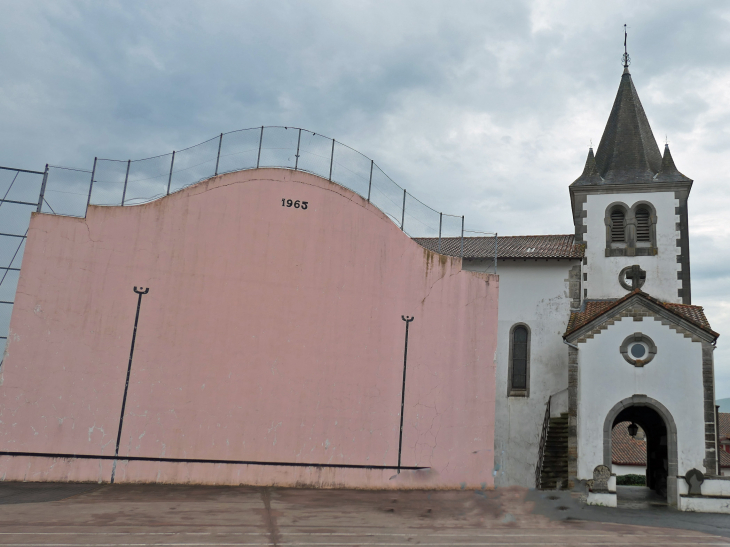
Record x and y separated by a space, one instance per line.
626 59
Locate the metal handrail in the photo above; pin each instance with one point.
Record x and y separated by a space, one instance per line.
543 440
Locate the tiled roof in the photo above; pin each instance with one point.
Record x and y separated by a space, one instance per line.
625 450
724 459
628 152
724 419
593 309
547 246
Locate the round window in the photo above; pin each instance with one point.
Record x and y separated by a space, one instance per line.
638 351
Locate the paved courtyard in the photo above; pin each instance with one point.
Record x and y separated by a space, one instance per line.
125 515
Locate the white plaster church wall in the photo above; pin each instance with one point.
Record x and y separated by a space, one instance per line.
673 377
534 293
661 276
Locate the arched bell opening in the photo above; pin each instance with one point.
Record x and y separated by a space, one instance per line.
658 426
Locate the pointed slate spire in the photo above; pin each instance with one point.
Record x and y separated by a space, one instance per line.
590 172
628 151
668 171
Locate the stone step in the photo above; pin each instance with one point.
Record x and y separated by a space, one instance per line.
554 471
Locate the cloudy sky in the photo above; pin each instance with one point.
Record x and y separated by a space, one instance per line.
482 108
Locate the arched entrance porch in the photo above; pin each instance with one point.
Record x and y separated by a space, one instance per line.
661 437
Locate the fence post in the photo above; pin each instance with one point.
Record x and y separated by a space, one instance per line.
403 213
462 237
441 218
296 161
218 159
126 177
91 185
169 179
370 183
495 252
43 189
261 140
332 157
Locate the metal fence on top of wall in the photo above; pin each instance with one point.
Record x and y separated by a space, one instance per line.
132 182
68 191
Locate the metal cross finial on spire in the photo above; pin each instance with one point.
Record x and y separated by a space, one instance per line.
626 59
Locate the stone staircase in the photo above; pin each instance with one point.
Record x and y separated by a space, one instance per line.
554 472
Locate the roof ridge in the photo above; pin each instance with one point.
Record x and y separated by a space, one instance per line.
498 236
574 323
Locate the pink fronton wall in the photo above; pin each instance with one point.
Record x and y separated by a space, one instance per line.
270 335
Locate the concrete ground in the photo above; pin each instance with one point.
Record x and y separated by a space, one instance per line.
72 515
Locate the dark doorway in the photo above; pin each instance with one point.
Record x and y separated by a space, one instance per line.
628 454
657 443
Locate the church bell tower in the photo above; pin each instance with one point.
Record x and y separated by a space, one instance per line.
630 210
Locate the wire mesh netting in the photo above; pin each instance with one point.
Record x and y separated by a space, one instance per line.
20 192
140 181
108 183
419 219
120 182
451 226
386 195
20 185
351 169
147 179
194 164
315 154
239 150
125 182
278 147
67 191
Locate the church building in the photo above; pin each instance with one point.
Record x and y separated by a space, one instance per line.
597 328
273 324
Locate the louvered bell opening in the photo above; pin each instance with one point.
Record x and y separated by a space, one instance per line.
519 358
642 225
617 227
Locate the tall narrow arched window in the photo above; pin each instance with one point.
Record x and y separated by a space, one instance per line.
618 226
519 365
643 224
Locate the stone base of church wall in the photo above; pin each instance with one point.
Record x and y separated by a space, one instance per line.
704 504
607 499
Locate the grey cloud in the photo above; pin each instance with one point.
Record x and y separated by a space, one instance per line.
479 108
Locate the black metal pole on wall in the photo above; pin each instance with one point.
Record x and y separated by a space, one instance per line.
91 185
43 189
496 242
126 178
296 161
462 236
441 219
261 141
140 292
218 159
403 212
332 157
169 179
408 320
370 183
